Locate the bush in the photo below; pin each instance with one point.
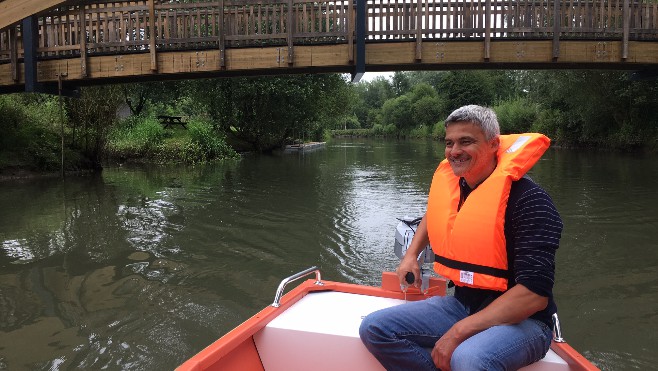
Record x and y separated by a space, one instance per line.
30 133
212 144
136 137
516 116
422 131
144 138
439 130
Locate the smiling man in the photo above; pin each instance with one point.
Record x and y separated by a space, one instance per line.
495 233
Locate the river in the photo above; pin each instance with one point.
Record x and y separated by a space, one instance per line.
141 267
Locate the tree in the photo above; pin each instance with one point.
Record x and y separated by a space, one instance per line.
460 88
595 107
401 83
399 112
90 118
264 111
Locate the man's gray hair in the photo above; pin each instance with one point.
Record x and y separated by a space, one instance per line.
480 116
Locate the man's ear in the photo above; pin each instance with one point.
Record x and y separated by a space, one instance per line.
495 143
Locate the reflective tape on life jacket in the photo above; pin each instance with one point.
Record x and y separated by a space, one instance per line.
470 243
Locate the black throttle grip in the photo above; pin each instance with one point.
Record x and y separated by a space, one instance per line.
409 277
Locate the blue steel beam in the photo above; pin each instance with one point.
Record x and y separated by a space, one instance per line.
360 65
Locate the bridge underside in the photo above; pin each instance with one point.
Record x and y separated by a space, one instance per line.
14 11
383 56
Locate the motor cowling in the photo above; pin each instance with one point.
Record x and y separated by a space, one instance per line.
404 233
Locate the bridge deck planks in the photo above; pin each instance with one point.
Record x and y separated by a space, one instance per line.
335 58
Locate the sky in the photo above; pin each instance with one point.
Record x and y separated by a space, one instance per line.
369 76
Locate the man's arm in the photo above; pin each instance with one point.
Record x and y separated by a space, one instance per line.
514 306
409 262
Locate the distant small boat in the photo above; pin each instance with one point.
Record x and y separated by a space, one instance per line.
315 327
304 146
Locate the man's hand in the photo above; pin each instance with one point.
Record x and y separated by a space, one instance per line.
514 306
408 264
443 349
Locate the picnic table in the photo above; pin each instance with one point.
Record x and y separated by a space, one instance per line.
168 121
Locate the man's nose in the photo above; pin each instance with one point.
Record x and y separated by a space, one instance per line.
455 150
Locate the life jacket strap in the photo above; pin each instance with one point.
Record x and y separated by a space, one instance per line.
462 266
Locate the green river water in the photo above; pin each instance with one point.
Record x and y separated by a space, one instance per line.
139 268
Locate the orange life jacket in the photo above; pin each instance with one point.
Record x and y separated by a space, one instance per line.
470 243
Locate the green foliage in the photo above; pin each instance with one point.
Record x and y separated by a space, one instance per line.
439 131
211 143
422 131
349 122
460 88
398 112
136 137
143 138
30 133
91 117
401 83
265 111
516 116
595 108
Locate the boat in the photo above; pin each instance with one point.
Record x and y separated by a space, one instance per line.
304 147
315 327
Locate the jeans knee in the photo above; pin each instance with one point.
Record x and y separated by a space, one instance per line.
463 359
371 331
366 330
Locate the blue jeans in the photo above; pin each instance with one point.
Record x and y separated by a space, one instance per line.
402 338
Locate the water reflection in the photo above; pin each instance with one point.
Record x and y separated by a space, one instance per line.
142 267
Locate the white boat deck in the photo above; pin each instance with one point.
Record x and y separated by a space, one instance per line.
321 332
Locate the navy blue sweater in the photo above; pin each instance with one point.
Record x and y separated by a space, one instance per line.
532 230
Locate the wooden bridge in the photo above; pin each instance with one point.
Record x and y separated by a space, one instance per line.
78 42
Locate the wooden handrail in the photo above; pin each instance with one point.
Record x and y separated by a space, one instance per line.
148 25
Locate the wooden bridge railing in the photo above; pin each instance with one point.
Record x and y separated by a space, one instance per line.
113 27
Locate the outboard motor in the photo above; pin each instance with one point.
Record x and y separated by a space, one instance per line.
404 233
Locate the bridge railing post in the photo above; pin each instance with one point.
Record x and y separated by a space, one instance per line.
627 25
290 27
221 37
557 20
82 37
487 31
350 31
152 36
419 30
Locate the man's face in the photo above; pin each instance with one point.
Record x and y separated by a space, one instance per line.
469 153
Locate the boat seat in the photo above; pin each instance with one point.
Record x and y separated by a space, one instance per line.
321 332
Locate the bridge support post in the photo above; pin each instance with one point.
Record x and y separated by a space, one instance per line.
291 29
154 56
82 36
360 67
221 38
557 20
627 25
13 50
350 31
30 30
